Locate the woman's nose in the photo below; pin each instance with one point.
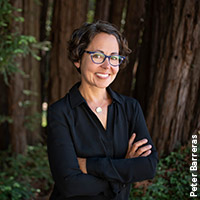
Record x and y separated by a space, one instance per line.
106 64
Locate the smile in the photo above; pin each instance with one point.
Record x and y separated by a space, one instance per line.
102 75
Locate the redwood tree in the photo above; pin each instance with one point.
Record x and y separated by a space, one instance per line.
116 11
111 11
16 97
102 10
31 26
67 16
25 90
4 133
132 30
168 76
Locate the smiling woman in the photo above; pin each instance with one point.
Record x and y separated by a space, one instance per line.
97 73
98 142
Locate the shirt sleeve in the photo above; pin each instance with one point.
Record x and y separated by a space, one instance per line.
66 173
127 170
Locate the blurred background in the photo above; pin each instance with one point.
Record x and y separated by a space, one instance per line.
163 74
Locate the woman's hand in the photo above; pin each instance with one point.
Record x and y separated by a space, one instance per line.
135 149
82 165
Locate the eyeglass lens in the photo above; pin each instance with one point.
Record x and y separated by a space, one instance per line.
99 58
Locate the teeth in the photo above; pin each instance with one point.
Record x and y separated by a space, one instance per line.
102 75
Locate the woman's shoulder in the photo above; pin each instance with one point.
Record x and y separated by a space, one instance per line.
61 104
130 106
125 100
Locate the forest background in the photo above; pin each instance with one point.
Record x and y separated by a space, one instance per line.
163 74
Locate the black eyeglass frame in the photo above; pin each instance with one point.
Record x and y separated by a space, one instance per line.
93 52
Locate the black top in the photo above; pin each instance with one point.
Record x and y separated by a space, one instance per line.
75 131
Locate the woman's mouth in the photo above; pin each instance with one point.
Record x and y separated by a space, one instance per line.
102 75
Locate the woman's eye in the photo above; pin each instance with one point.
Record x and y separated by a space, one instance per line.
115 57
98 56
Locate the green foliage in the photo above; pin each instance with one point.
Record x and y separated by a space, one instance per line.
4 118
13 46
91 11
12 43
173 178
24 176
12 189
31 121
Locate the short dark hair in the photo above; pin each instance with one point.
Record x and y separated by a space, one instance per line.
81 38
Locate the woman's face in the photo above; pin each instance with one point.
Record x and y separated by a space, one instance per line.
99 75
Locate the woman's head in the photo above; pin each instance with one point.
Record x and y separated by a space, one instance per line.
82 37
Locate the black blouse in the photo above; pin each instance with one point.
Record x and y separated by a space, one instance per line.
75 131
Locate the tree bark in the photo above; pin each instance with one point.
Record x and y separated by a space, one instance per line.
102 10
17 113
132 32
67 16
117 7
44 37
144 73
4 133
20 137
170 72
43 19
16 98
110 10
32 68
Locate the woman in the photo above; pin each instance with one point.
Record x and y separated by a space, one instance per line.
98 142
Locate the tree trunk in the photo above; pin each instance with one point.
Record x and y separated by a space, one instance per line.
171 52
117 7
44 37
16 98
32 68
146 57
4 133
43 19
67 16
110 10
18 83
102 10
17 113
132 31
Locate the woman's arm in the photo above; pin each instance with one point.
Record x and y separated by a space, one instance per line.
67 175
128 170
134 150
123 170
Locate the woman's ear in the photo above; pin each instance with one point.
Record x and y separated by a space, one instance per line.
77 64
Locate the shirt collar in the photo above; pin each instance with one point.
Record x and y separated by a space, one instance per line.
114 95
76 98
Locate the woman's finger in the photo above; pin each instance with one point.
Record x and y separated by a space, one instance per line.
137 144
82 164
131 140
144 149
147 153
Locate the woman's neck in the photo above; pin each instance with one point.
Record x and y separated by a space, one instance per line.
93 94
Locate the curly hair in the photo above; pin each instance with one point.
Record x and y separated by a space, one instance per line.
81 38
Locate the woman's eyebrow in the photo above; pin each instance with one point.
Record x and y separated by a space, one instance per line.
113 53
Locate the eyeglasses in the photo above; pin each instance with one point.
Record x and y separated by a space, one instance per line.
99 57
